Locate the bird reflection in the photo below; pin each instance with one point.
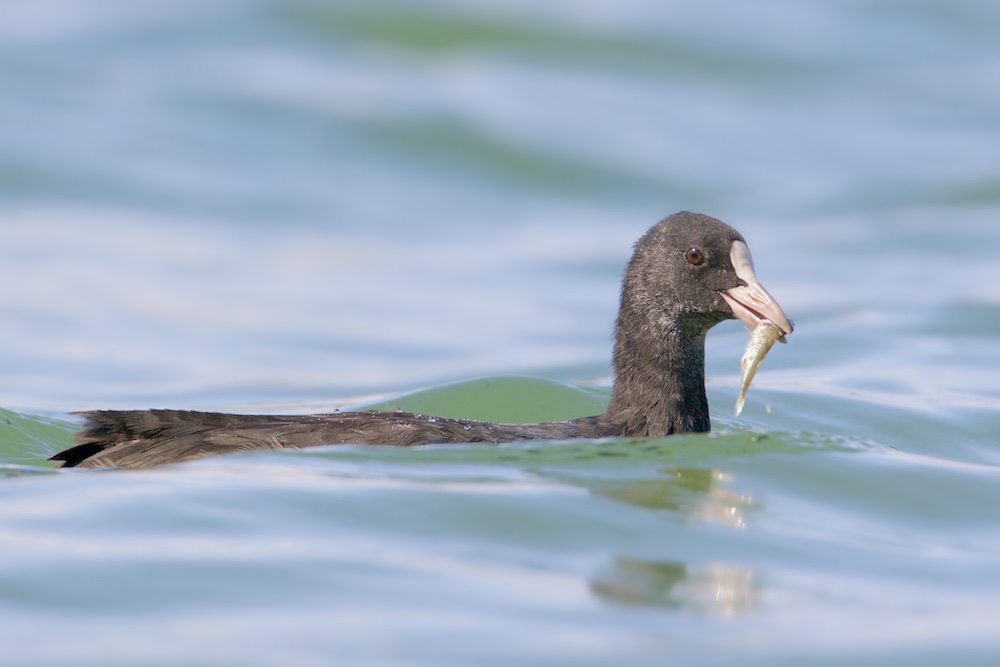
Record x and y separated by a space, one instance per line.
697 493
713 589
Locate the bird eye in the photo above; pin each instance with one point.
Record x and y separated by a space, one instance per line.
695 256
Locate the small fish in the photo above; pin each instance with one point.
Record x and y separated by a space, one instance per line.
762 339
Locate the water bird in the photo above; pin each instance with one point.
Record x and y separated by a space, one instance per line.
687 273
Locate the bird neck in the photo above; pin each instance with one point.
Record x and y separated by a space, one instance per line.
659 379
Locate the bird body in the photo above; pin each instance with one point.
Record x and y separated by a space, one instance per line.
687 273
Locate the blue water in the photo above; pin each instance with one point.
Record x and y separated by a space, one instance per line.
300 206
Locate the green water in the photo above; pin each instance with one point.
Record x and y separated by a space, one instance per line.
297 206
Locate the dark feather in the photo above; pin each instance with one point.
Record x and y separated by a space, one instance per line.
143 438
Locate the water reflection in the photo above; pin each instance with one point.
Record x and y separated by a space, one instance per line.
697 493
713 589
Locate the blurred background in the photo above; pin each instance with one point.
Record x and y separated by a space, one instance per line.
295 205
230 203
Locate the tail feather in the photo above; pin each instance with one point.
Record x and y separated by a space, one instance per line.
74 456
104 429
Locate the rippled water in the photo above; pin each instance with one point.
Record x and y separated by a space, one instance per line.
299 206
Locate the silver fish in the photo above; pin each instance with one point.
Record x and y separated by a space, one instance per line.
762 339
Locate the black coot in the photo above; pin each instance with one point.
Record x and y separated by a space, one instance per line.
688 273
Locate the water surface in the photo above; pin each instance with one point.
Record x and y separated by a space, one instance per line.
299 206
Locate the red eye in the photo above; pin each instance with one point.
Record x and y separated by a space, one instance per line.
695 256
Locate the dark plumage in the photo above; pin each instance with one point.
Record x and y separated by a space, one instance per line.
688 273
